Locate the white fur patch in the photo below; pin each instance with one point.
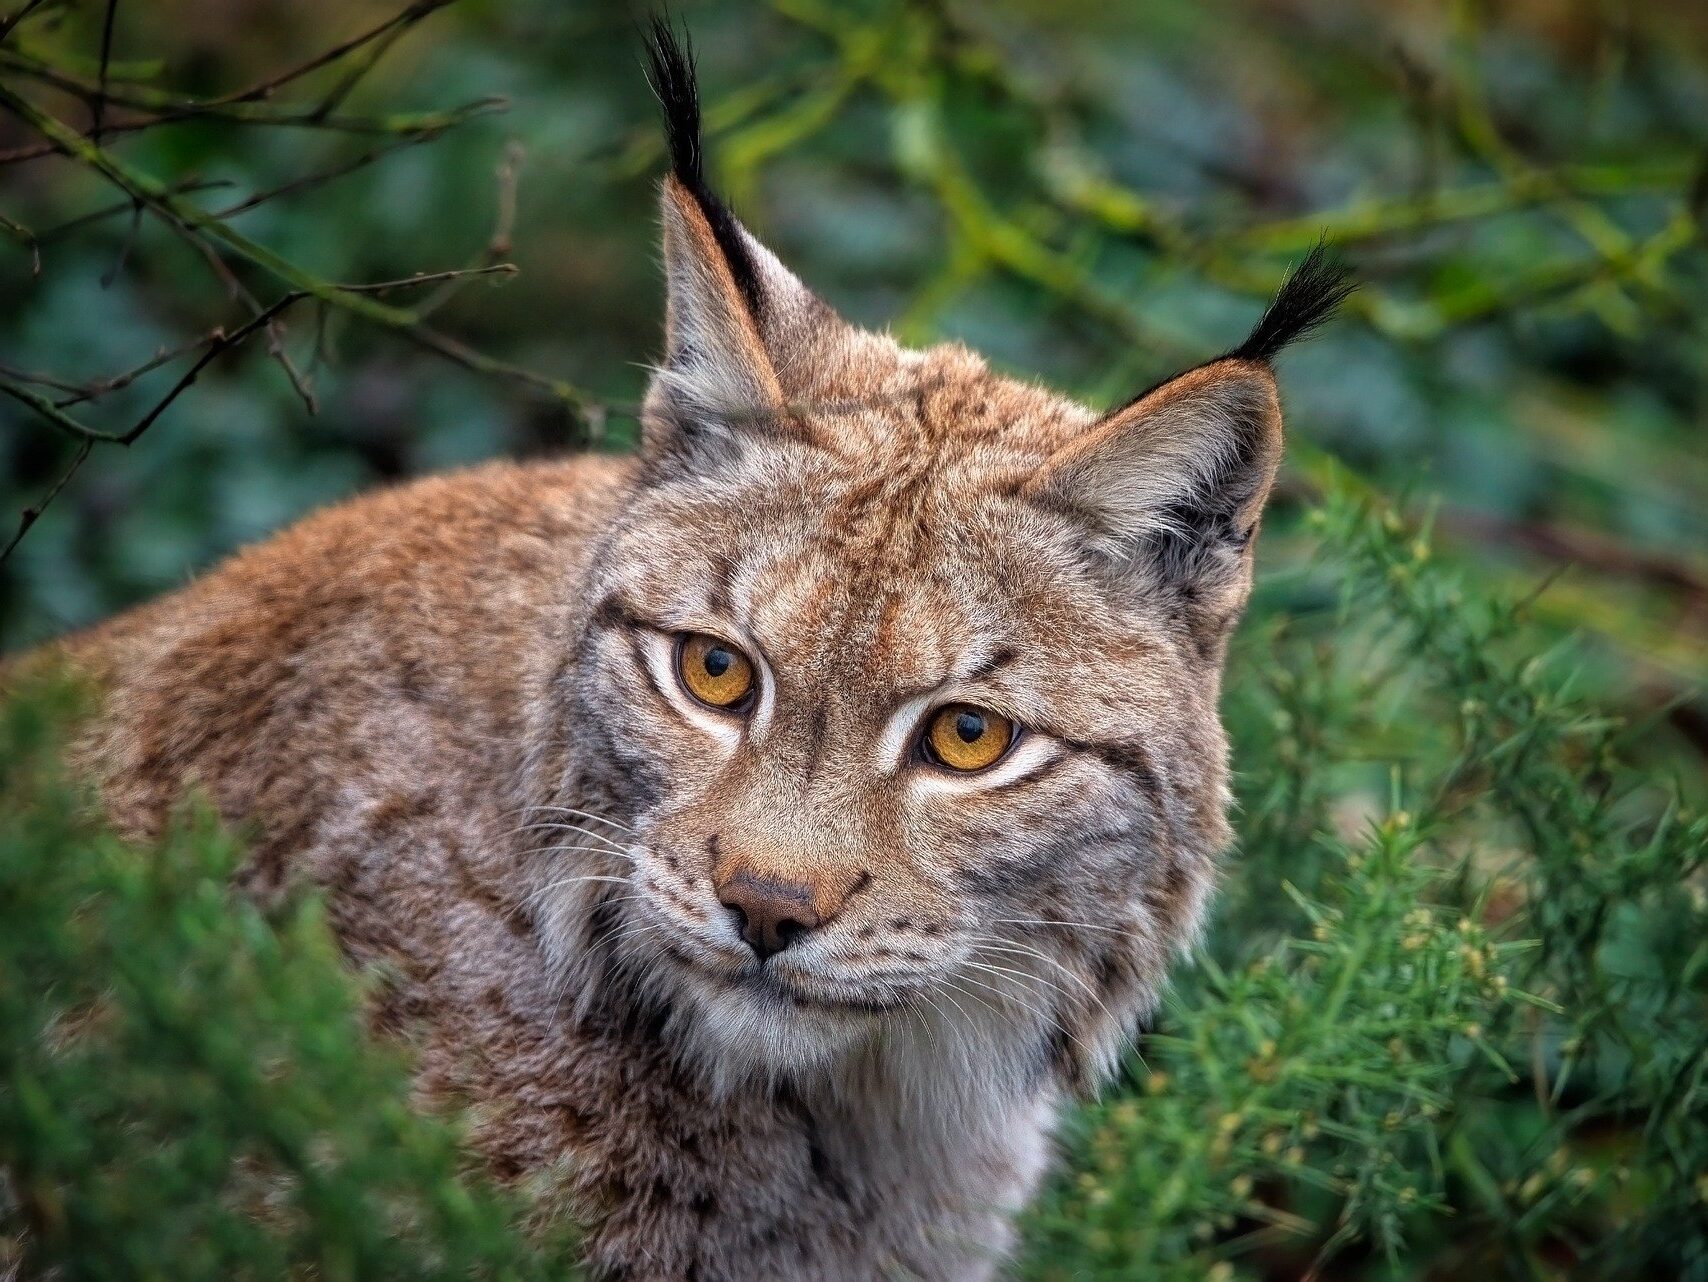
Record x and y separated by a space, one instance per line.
658 651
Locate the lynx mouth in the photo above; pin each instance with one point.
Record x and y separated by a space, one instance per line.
766 989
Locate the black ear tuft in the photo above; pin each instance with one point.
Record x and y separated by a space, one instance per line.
672 76
1311 294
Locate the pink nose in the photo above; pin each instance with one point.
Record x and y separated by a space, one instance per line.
771 914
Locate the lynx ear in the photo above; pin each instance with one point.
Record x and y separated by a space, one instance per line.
1172 483
738 323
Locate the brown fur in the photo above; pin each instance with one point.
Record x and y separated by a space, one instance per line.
452 706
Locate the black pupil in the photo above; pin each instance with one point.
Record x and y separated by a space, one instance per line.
970 726
716 662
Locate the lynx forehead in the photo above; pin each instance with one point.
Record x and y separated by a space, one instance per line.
764 833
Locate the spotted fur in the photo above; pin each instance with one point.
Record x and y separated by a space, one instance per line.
452 705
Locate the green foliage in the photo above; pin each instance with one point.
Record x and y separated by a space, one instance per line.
1483 998
186 1090
1327 1062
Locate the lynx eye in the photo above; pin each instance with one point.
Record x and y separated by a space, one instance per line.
963 737
713 671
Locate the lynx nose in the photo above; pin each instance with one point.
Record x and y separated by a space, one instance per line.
772 914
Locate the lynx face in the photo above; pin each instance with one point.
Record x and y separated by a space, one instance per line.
906 676
942 756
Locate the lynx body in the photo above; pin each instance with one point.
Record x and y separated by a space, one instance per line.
766 833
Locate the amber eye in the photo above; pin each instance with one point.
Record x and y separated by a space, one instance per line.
963 737
713 671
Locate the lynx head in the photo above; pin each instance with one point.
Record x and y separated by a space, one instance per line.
903 675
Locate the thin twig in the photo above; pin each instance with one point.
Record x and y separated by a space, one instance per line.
218 342
165 108
498 245
240 293
30 515
430 278
370 59
118 382
80 393
51 412
40 380
98 108
407 17
211 235
434 123
325 175
28 238
187 218
7 25
125 245
556 388
125 206
320 352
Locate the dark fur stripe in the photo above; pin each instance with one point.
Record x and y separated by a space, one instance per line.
999 659
1129 759
612 613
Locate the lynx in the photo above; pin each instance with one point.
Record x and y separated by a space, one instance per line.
767 833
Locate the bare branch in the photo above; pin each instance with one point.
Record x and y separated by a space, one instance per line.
508 173
326 175
125 206
216 241
28 238
40 380
118 382
98 108
166 108
30 515
370 59
406 18
51 412
14 383
430 278
7 25
125 246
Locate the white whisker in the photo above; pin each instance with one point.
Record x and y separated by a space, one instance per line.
1076 925
565 848
587 814
1006 992
1008 946
1021 949
555 825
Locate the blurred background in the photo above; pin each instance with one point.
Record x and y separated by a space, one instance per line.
1093 194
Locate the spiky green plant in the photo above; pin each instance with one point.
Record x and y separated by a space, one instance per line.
186 1089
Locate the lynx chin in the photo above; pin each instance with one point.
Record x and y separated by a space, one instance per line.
769 832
